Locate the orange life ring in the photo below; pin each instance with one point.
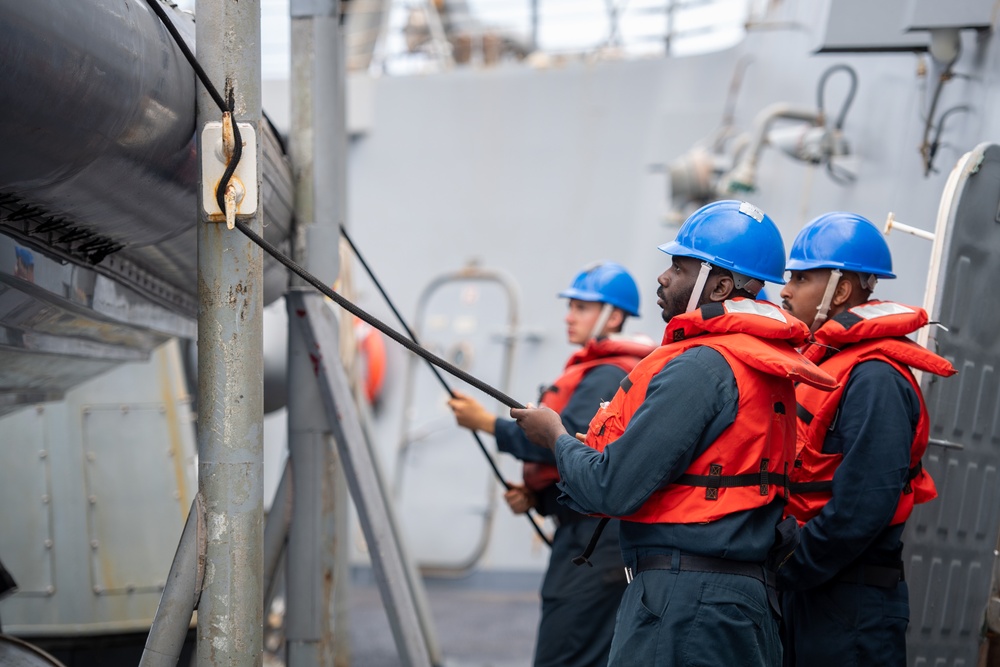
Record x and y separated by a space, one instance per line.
371 348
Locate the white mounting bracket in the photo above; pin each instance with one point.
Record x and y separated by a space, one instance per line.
213 166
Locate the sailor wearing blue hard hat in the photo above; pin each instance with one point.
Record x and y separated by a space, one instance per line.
578 604
857 473
691 451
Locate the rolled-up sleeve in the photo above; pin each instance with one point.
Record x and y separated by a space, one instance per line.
688 403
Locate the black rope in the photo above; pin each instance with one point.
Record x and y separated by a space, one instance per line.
291 265
434 370
375 322
224 107
413 346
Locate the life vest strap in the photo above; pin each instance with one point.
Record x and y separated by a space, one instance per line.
589 551
715 480
827 485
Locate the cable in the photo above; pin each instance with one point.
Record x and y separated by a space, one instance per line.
437 374
219 101
820 89
925 145
291 265
375 322
932 149
413 346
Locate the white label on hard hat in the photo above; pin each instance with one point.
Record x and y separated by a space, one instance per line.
872 310
752 211
751 307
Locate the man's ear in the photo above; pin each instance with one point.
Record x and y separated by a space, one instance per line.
722 288
843 293
615 321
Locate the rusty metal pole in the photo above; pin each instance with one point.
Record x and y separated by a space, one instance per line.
230 358
314 574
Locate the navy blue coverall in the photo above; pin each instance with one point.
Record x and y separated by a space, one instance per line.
578 603
841 623
678 617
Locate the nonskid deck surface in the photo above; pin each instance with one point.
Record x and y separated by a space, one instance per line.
482 620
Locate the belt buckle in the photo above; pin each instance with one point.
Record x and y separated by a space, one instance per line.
628 575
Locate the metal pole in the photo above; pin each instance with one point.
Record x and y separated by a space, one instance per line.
276 532
230 362
180 595
319 163
534 25
668 32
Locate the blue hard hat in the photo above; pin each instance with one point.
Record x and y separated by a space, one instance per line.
606 282
732 235
845 241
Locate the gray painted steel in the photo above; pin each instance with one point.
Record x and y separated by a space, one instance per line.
319 154
102 482
230 364
881 31
470 318
180 596
309 558
951 541
97 192
413 633
931 14
539 171
276 533
99 129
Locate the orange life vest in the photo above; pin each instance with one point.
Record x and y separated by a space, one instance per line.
621 352
872 331
746 466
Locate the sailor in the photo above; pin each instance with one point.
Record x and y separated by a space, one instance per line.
857 472
578 604
692 450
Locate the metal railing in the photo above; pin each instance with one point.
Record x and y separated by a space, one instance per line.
417 36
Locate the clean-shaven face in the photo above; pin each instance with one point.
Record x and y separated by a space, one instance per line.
581 317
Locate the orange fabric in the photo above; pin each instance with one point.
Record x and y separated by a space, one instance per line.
757 341
872 331
623 353
371 347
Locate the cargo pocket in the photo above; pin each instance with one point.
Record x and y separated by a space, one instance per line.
640 623
732 628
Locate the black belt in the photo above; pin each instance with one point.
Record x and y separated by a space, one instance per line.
693 563
881 576
684 562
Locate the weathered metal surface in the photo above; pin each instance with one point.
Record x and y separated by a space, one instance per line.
411 627
98 136
170 626
141 480
318 149
230 366
97 192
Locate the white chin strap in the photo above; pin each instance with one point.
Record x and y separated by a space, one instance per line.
699 287
602 320
824 306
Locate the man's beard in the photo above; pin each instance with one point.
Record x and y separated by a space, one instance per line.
674 306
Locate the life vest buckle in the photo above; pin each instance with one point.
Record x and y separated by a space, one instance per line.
714 481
